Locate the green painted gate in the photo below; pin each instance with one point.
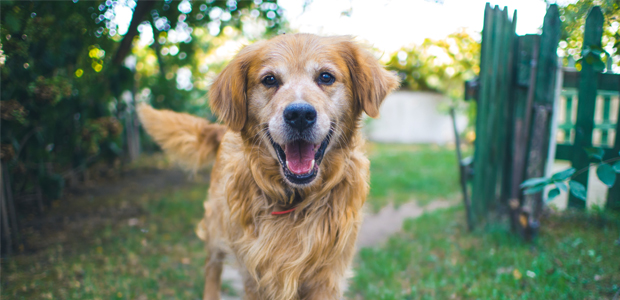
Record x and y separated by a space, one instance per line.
515 94
589 107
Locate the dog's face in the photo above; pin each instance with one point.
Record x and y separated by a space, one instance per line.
297 94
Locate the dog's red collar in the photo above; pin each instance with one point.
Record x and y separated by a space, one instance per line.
295 198
275 213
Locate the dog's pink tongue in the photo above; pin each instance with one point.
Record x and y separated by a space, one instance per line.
299 157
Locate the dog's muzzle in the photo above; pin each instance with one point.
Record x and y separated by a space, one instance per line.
300 157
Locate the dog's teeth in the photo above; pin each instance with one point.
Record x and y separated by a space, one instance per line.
287 165
312 166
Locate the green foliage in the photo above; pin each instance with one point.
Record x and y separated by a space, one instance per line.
577 189
439 65
553 193
592 55
573 18
50 119
563 175
606 174
435 257
604 170
68 90
594 153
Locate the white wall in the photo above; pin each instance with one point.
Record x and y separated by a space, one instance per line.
413 117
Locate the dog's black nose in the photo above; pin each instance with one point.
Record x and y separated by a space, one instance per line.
300 115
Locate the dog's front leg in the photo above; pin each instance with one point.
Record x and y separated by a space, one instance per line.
322 292
251 289
213 275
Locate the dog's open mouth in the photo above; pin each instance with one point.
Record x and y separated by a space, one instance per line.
300 159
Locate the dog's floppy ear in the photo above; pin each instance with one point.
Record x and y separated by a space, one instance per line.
227 95
371 82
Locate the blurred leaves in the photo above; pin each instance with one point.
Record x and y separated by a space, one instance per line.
65 98
439 65
561 186
535 182
606 174
592 56
553 193
563 175
573 18
578 190
595 153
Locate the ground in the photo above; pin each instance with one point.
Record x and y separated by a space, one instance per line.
576 256
133 238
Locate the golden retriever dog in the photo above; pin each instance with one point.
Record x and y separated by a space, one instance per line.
290 174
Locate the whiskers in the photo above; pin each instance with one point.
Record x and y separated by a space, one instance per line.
259 137
338 134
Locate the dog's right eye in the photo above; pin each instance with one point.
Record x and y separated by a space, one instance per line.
270 81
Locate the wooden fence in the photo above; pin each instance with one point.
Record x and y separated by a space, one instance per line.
515 93
589 113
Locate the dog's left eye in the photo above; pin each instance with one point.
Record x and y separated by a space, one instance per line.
270 81
326 78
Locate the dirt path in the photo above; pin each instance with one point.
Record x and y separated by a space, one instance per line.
376 229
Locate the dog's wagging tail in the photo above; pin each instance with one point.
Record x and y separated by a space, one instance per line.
290 174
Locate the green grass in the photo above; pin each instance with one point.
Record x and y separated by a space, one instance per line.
434 258
575 257
403 173
158 258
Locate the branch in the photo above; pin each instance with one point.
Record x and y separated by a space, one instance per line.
142 9
588 167
157 47
25 139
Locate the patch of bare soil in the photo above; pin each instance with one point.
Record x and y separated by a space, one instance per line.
85 209
389 220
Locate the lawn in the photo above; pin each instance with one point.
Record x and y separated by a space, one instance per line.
402 173
141 244
576 256
153 256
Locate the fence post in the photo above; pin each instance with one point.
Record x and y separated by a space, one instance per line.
493 121
507 96
480 154
527 57
587 100
542 107
490 129
613 194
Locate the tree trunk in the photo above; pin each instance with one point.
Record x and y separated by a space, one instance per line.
6 180
142 9
6 233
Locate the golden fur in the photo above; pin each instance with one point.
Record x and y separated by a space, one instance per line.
303 254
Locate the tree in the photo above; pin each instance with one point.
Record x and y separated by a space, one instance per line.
573 18
438 65
72 70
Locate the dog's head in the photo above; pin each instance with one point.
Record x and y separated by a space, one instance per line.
299 93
